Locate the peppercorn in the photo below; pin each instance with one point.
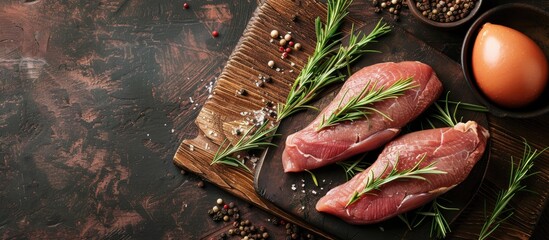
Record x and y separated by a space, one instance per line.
282 42
215 34
267 79
242 92
288 37
274 34
265 235
297 46
284 55
295 18
271 63
185 5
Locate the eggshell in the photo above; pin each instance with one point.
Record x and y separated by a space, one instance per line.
509 67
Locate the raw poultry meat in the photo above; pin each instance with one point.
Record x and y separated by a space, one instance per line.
310 148
454 150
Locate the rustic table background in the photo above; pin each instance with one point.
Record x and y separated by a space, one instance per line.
96 96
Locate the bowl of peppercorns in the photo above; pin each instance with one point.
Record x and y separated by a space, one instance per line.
444 13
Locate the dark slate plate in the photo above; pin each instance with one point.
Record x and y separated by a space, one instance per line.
278 187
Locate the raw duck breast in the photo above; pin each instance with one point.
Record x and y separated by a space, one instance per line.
454 151
310 149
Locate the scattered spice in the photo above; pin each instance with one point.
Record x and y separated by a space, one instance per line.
215 34
392 6
242 92
288 37
271 63
200 184
274 34
185 5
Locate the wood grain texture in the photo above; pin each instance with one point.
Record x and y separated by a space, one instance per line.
219 114
223 111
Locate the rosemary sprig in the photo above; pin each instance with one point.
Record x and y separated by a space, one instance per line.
439 225
250 140
374 183
353 167
517 175
360 106
321 68
448 117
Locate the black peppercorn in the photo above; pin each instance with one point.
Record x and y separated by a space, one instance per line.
242 92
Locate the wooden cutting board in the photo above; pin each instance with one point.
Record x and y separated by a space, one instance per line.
225 109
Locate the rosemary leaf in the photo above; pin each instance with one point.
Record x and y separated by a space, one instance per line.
517 175
448 117
313 176
360 106
257 140
353 167
439 225
374 183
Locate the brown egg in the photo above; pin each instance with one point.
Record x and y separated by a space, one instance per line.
510 69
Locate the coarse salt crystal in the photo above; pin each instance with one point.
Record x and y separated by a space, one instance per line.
191 147
314 192
293 187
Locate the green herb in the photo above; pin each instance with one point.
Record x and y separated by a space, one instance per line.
439 225
353 167
360 106
517 175
313 176
256 140
448 117
374 183
322 66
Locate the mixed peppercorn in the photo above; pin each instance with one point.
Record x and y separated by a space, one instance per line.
445 11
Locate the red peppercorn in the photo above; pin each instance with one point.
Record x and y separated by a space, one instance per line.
225 206
215 34
288 50
281 49
284 55
291 43
185 5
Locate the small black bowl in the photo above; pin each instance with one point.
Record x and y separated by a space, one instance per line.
450 25
531 21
